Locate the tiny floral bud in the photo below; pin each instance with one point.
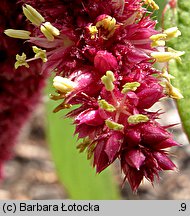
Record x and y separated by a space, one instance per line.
106 106
105 61
40 53
108 80
152 4
21 61
63 85
137 118
132 86
172 33
33 15
113 125
21 34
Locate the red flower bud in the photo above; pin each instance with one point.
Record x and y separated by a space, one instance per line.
105 61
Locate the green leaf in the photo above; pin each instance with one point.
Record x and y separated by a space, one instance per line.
181 18
74 170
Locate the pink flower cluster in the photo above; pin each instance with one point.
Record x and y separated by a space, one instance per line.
104 63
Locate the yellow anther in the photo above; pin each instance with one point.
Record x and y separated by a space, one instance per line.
108 80
113 125
158 40
152 4
21 61
33 15
106 106
40 53
131 86
172 33
49 31
172 91
166 75
46 33
54 31
158 37
93 31
158 43
108 23
167 56
21 34
64 85
137 118
110 76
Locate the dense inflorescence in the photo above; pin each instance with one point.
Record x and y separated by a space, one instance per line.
19 89
103 54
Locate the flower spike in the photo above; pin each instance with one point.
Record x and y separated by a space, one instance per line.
103 54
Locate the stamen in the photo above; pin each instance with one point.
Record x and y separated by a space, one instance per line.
20 34
167 56
93 31
21 61
107 23
40 53
172 91
108 80
166 75
172 33
131 86
137 118
113 125
33 15
152 4
106 106
158 40
49 31
63 85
